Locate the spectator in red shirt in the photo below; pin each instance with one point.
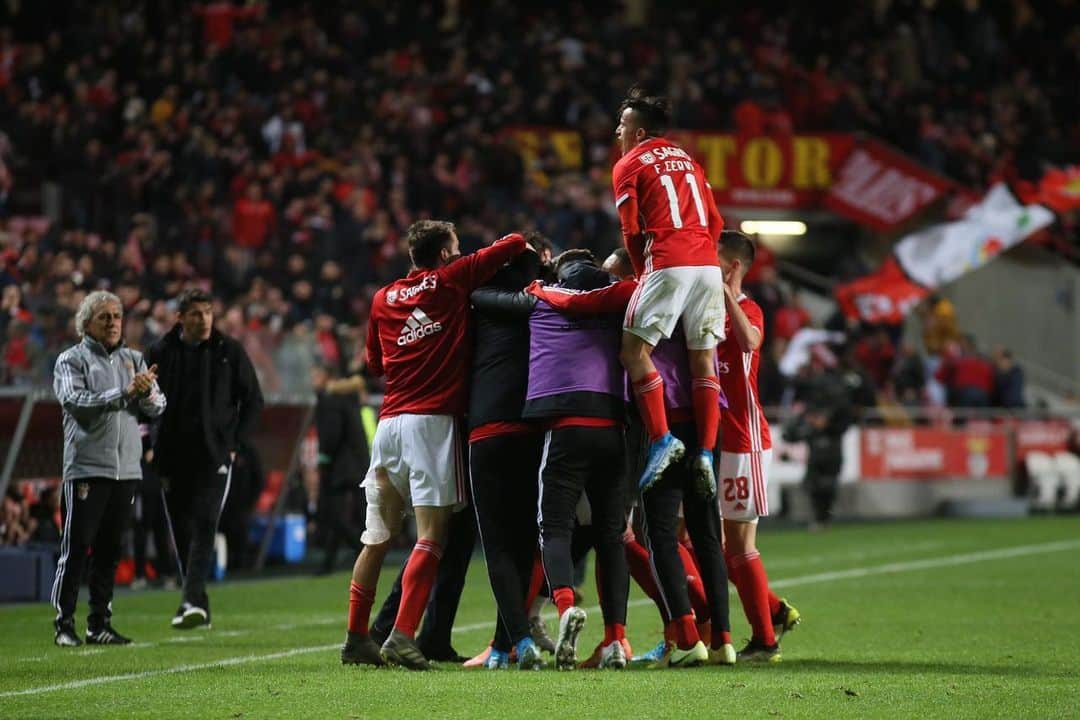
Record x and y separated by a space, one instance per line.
876 354
789 319
218 18
968 376
253 219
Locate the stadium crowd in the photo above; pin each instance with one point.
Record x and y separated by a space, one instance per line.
277 151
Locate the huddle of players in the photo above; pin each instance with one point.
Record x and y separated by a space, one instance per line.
551 374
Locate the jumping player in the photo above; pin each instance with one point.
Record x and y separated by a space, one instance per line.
670 226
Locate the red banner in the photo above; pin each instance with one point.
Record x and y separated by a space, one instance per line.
886 297
930 454
791 171
879 188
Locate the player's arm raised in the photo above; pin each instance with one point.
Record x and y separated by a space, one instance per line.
747 330
475 269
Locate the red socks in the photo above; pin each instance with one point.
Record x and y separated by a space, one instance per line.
686 634
637 559
564 599
360 601
649 391
705 392
750 580
774 603
720 638
535 583
694 586
614 632
416 585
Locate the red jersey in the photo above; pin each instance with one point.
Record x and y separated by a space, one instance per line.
660 189
418 333
745 428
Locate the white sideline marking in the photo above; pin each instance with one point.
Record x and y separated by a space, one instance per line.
887 569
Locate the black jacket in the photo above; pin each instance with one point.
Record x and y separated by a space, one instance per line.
343 451
231 399
500 370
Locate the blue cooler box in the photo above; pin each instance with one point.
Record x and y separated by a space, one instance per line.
289 542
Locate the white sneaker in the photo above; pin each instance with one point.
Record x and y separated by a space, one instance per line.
190 616
613 656
570 625
724 656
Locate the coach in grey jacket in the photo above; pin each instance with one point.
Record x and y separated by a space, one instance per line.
101 386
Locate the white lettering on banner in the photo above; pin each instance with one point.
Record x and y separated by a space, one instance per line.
924 460
886 193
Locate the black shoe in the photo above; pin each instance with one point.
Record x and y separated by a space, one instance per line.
65 634
400 649
758 652
379 634
106 636
447 654
360 650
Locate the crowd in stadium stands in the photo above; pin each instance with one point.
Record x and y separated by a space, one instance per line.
275 152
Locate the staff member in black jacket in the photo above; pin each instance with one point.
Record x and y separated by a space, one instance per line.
216 404
343 460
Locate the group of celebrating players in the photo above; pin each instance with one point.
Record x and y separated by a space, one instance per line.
594 402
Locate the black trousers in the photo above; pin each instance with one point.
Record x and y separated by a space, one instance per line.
661 525
589 460
821 487
338 508
95 514
150 523
194 498
504 490
434 636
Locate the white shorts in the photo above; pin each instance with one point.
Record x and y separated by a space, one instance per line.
741 485
423 458
694 294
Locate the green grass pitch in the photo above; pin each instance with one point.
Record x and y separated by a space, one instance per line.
954 619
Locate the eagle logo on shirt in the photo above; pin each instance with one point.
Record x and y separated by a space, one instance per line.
647 158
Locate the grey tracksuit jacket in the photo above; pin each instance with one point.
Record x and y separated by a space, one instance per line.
101 427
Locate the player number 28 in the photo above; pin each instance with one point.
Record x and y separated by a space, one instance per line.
673 199
736 488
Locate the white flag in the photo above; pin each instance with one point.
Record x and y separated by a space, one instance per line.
942 253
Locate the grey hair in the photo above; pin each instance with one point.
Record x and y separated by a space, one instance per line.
89 304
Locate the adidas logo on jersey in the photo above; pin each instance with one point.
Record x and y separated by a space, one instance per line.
417 326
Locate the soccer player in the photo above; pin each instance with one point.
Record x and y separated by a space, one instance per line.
745 454
417 337
670 226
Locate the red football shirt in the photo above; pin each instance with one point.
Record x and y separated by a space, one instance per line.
660 189
745 428
418 333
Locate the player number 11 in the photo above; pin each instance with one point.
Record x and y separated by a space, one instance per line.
673 199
